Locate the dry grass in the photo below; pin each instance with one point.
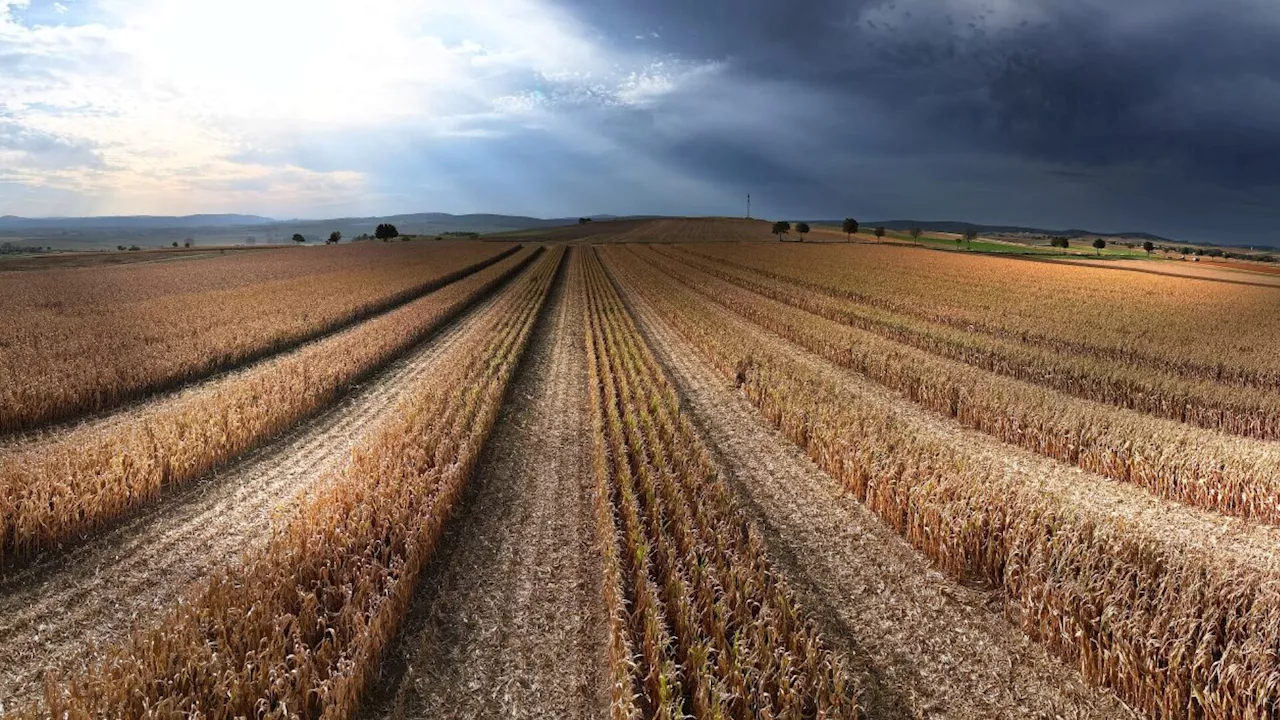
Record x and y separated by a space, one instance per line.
299 630
77 341
1178 625
53 490
700 625
1236 476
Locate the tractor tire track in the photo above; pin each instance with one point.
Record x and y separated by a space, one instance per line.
508 621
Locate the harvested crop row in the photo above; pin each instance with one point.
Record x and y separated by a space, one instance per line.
1064 309
1235 476
87 340
1172 608
300 629
700 625
1246 411
52 491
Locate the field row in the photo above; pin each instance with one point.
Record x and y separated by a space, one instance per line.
78 341
1235 476
299 630
1172 608
1247 411
1196 329
699 625
52 490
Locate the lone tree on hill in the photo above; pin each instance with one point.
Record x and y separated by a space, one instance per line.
334 237
1148 246
584 220
386 231
175 243
803 229
780 228
298 238
915 233
850 228
970 234
880 232
1098 244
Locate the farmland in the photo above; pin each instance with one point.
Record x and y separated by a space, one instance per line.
638 469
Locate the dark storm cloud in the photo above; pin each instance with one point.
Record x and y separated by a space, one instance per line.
1191 86
1185 91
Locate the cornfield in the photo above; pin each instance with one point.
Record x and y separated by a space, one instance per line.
1125 588
83 340
699 625
1243 410
1236 476
1198 330
54 489
299 630
769 481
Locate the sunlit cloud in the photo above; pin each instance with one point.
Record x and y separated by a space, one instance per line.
163 106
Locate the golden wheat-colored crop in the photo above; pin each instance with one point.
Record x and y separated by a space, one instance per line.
1193 328
299 630
53 490
1242 410
701 626
1231 475
1172 608
82 340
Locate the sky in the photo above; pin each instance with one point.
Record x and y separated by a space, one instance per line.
1156 115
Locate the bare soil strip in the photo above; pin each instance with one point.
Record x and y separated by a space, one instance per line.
927 647
508 620
54 611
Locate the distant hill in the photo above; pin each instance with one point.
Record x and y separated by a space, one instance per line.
157 231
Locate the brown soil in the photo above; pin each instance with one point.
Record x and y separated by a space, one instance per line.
53 612
508 621
925 646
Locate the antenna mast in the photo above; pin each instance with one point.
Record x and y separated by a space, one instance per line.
748 206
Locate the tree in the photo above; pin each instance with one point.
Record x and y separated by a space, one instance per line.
1148 246
189 242
175 243
970 234
121 248
386 231
780 228
880 231
584 220
915 233
1098 244
334 238
850 228
298 238
1059 241
803 229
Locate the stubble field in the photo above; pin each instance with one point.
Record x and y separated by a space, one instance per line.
646 469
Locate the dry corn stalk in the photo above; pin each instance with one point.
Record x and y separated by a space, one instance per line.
54 490
700 624
299 630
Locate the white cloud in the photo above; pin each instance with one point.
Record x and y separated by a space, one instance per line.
163 98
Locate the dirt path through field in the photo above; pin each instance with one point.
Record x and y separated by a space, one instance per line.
53 610
926 647
508 621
